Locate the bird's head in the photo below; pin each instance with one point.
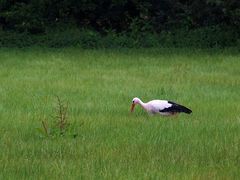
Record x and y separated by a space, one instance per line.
134 102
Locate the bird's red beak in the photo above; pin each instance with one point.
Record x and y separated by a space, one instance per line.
132 107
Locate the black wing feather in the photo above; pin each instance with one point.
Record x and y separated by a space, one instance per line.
176 108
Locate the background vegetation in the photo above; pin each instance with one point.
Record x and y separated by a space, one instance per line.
120 23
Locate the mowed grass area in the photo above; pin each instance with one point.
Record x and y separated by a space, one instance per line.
111 143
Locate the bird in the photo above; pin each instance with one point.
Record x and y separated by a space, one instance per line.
162 107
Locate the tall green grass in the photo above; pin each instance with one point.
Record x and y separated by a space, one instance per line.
112 143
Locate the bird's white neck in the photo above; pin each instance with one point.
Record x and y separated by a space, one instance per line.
142 104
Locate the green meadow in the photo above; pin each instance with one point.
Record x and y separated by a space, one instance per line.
104 140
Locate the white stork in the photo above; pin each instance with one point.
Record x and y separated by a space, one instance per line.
162 107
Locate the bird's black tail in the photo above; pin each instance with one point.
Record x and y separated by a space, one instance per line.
178 108
184 109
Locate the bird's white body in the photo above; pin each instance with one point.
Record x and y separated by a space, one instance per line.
162 107
153 107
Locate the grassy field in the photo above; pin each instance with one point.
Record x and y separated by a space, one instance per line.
111 143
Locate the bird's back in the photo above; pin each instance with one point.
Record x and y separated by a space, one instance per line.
157 105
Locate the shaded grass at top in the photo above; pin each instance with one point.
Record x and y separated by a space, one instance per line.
111 143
